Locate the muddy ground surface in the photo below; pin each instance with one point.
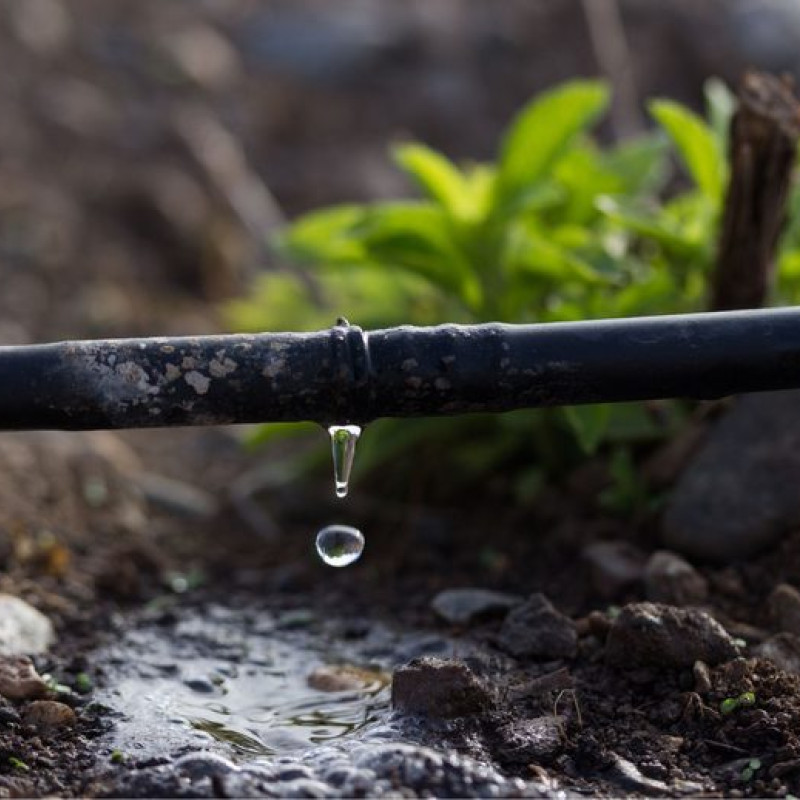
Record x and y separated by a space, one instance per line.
159 588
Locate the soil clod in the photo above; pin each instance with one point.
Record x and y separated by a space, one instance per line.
437 688
527 741
537 630
662 636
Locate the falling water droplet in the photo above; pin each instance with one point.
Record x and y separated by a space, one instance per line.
343 447
340 545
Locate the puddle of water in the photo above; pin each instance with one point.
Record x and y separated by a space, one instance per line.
210 680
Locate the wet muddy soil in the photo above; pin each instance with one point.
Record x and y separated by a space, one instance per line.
256 670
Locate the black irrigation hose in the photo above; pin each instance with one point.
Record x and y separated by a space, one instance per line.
344 375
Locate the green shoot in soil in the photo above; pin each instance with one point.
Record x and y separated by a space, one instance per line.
731 704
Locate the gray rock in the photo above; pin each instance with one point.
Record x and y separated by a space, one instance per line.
536 630
466 606
783 650
662 636
23 629
436 688
668 578
784 608
613 566
739 494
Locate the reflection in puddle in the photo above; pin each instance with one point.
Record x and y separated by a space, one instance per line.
265 713
253 691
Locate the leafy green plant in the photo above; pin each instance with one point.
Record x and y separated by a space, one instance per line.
557 228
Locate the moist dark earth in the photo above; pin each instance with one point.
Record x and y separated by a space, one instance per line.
531 650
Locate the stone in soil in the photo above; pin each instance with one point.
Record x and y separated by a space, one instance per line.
784 608
783 650
537 630
19 679
467 606
24 630
344 678
627 777
614 566
668 578
436 688
48 715
662 636
739 493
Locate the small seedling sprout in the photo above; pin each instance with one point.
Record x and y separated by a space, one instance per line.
750 770
730 704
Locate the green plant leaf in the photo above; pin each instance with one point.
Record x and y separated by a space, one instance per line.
418 238
697 146
721 105
260 435
532 254
589 424
436 175
640 164
583 176
650 224
324 236
544 129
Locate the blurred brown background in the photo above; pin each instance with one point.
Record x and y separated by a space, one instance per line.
147 147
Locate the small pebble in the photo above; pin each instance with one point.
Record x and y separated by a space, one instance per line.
19 679
784 608
614 566
47 715
668 578
783 650
344 678
537 630
627 777
702 677
467 606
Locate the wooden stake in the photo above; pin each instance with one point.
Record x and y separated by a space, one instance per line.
764 135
